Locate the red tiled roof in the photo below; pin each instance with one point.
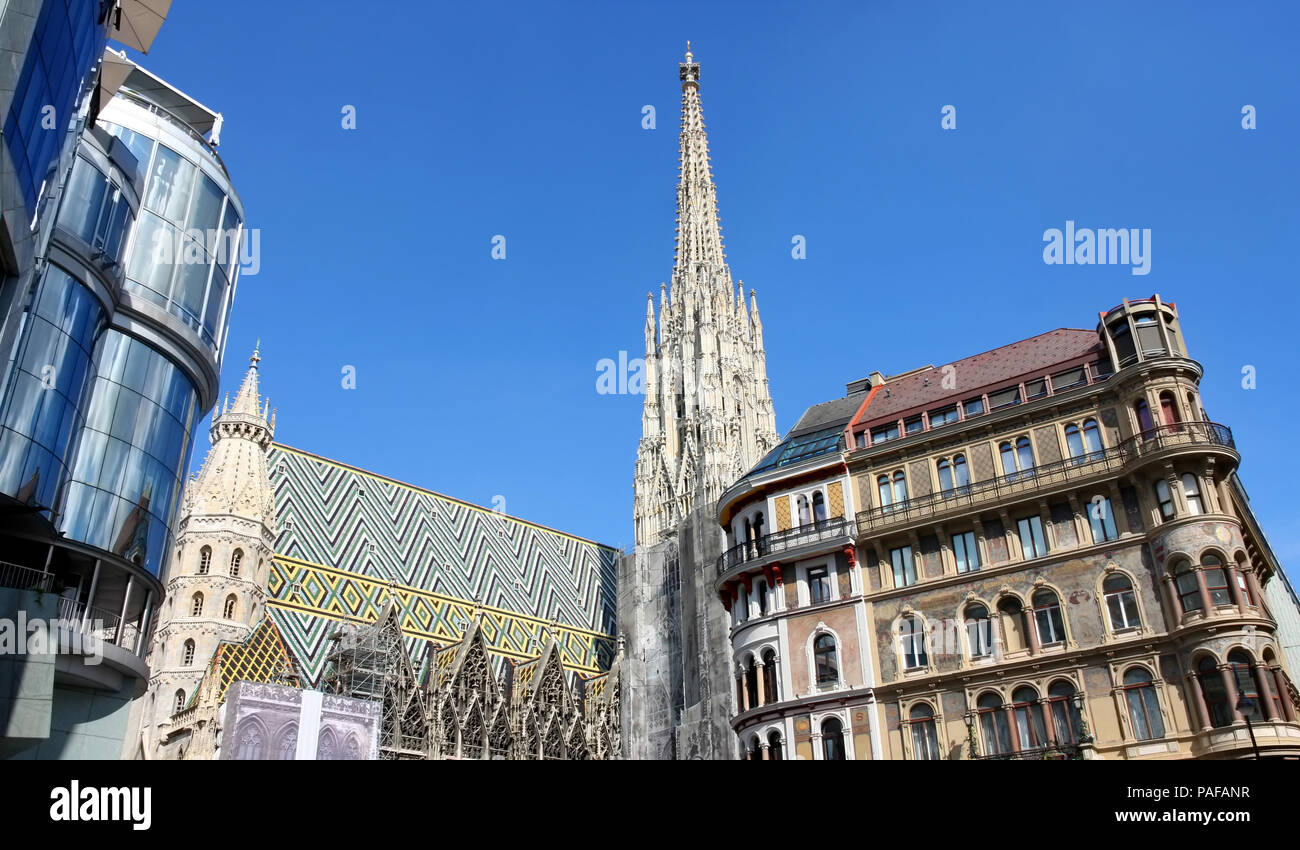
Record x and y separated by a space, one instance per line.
1037 355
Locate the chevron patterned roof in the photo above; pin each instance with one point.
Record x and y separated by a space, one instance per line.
348 538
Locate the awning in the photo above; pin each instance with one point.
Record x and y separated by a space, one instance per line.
114 68
138 23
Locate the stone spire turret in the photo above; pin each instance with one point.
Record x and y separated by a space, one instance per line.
217 577
709 418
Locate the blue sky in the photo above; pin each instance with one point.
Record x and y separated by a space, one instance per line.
476 377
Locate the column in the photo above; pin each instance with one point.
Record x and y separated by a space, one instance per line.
741 696
1230 686
1234 589
1118 510
1257 592
1262 676
1207 608
1049 530
1011 725
1030 625
1279 681
1172 601
758 668
1201 713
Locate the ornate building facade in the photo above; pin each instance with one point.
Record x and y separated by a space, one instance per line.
1042 551
707 418
300 574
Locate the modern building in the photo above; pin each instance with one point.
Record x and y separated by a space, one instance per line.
707 418
116 350
1041 551
478 634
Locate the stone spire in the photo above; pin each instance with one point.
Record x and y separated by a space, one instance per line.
708 418
217 577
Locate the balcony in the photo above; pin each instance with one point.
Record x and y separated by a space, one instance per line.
25 578
765 549
1094 466
1051 752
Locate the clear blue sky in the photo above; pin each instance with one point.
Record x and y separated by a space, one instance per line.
476 377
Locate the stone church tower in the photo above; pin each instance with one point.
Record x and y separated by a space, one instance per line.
217 575
707 421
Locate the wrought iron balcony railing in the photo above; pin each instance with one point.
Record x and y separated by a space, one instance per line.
1051 752
25 578
1004 487
783 541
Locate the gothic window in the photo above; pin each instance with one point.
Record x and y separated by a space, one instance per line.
248 746
326 745
825 660
1143 706
352 751
472 739
833 739
288 744
178 701
925 740
577 746
229 610
187 655
196 605
499 740
1121 603
205 560
450 731
235 560
553 745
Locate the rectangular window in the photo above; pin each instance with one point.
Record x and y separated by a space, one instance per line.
972 407
1069 378
966 550
1166 501
914 425
904 566
1031 536
943 416
1102 520
884 434
1036 388
1004 398
819 586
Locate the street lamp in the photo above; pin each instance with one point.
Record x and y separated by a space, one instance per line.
1246 708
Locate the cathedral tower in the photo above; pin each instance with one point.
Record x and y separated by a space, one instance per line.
707 421
708 412
217 575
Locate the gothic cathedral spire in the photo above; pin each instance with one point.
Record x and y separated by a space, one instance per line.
708 411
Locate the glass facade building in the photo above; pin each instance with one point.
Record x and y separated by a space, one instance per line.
115 358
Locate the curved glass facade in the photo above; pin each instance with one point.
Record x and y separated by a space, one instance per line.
95 211
42 404
184 254
129 465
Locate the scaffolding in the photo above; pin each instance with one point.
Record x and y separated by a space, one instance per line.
370 663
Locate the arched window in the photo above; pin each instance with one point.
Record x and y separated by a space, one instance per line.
1169 410
769 677
1142 412
1066 722
1243 587
1165 500
187 654
979 630
825 660
753 752
1047 617
1143 706
178 701
961 474
229 611
885 492
1121 603
235 560
1215 694
196 605
925 738
775 749
1216 579
945 475
1030 731
1017 458
249 743
1092 439
900 487
804 516
1192 490
1240 664
1277 682
758 534
1014 623
760 590
751 682
1189 594
1074 443
833 739
205 560
911 639
819 507
288 749
994 731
